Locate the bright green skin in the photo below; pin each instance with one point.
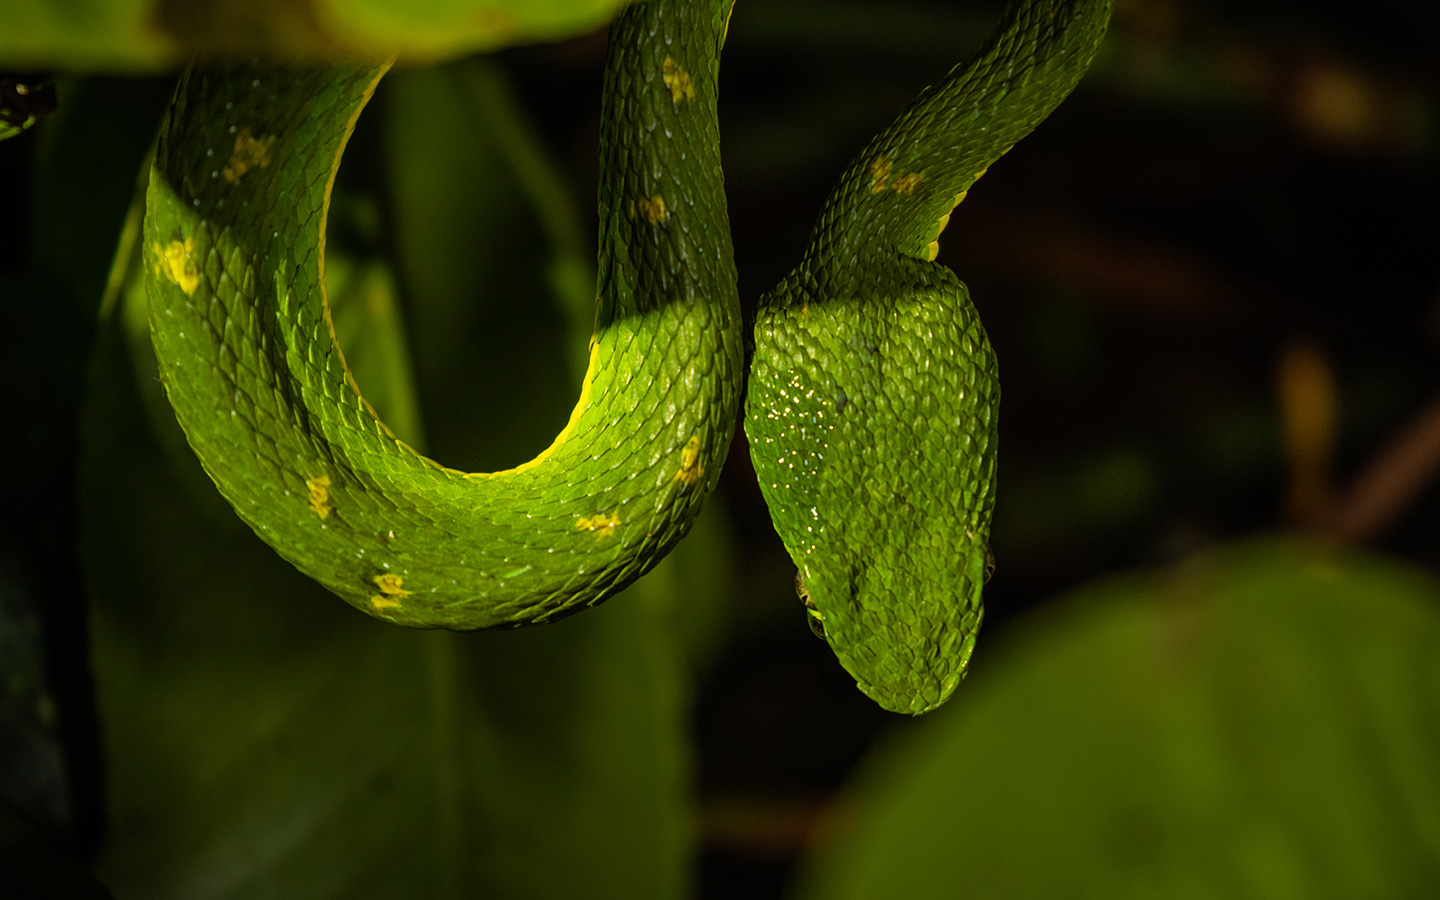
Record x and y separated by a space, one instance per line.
873 393
248 357
872 396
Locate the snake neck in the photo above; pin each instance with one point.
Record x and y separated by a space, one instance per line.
662 210
896 196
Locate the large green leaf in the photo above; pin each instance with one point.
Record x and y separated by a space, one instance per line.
134 35
1261 722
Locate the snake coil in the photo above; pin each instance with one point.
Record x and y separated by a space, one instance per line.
871 408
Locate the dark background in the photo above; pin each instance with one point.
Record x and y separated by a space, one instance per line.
1210 280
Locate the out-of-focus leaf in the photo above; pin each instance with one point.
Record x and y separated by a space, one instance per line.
1262 722
365 308
150 35
473 260
263 739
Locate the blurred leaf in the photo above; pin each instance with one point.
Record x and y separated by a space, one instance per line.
265 740
1261 722
473 258
365 308
150 35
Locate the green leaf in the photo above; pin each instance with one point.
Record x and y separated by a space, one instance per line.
369 324
150 35
474 259
263 739
1261 722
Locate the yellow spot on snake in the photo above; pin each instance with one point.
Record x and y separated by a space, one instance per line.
880 172
249 151
380 601
176 261
603 524
319 495
391 585
677 80
691 466
651 209
905 184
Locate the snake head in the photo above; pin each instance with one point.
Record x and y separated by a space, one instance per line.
904 623
872 427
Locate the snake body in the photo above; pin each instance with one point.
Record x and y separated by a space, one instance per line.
871 409
234 236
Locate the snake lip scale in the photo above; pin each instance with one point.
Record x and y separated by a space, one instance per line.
872 398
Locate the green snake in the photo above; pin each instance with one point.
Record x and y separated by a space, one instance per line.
872 392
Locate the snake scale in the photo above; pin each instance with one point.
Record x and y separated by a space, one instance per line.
872 396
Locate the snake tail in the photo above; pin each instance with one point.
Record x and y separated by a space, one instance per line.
873 395
234 241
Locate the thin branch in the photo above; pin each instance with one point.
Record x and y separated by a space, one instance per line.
1391 482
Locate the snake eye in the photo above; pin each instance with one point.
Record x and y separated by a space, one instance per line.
813 617
815 620
989 565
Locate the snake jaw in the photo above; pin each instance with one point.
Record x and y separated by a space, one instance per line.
903 624
813 616
872 428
